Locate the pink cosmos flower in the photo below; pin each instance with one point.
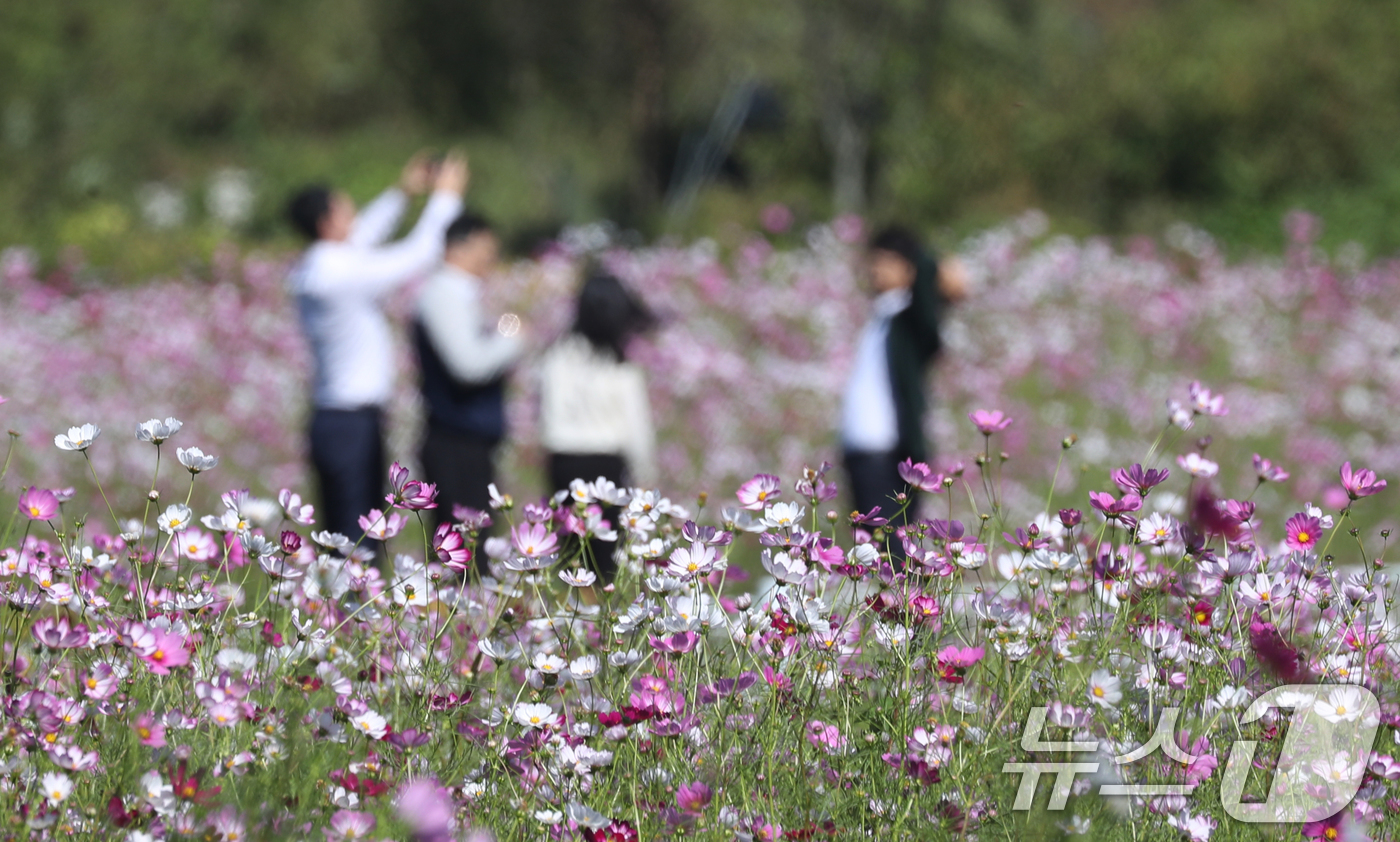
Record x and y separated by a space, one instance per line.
38 503
955 661
534 540
1362 483
57 633
759 491
169 651
675 644
427 810
380 526
149 730
989 422
826 737
1303 532
921 476
693 798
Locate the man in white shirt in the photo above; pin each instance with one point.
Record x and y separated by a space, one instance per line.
339 283
463 359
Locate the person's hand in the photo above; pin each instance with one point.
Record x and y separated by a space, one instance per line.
952 278
452 175
417 174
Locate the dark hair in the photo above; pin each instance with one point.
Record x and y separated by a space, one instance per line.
609 315
901 241
308 208
465 225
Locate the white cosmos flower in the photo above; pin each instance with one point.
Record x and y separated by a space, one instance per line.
157 431
584 668
78 438
1341 768
177 518
1345 704
371 725
578 578
1264 591
783 516
1156 529
57 787
549 664
194 459
784 567
535 715
1105 689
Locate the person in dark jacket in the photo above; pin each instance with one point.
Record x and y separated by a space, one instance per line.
463 359
883 410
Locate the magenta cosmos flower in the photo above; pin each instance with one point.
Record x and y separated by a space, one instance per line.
693 798
450 547
38 503
1362 483
989 421
1104 502
1139 480
1303 532
759 492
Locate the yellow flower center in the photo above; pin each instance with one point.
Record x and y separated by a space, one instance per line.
1303 537
1098 691
145 733
534 720
91 683
158 655
34 511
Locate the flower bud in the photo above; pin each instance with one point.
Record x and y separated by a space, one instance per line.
1069 441
153 495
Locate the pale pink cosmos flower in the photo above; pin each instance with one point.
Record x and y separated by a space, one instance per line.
759 492
1198 466
989 421
348 824
58 633
294 509
1204 403
1264 591
534 540
1267 471
380 526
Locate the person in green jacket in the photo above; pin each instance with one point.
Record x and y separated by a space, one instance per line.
883 409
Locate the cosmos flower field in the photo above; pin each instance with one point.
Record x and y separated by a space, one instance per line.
1171 494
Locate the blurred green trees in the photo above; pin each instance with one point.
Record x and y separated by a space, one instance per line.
129 129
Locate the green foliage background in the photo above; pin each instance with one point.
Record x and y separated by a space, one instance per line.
1112 115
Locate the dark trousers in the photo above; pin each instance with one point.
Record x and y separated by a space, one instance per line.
462 466
347 452
567 467
875 481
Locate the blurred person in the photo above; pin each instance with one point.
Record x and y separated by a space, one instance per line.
463 358
595 416
882 413
339 283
